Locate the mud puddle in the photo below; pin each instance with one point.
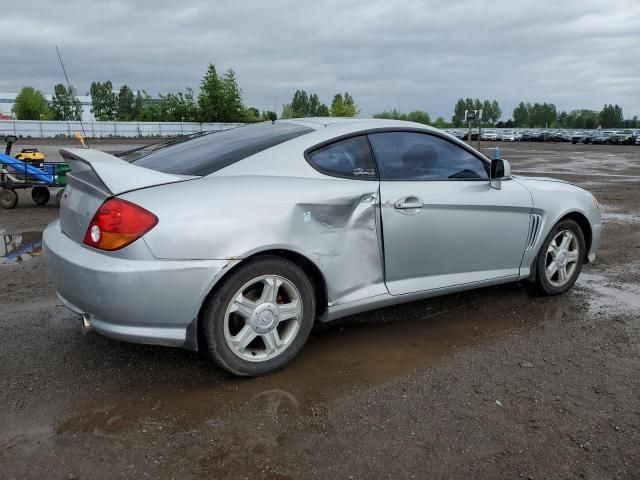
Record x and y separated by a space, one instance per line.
610 297
19 247
337 362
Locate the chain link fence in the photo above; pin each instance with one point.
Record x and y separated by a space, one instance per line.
56 129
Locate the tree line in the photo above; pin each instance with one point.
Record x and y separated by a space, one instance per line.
546 115
491 111
220 100
308 105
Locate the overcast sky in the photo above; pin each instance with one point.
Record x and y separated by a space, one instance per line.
406 54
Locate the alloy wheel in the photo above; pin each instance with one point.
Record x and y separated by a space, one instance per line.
562 258
263 318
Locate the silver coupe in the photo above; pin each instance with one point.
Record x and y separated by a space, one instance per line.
236 243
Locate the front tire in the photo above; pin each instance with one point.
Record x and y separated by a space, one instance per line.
260 317
560 258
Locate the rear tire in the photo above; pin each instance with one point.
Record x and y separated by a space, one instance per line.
560 259
260 317
40 195
8 198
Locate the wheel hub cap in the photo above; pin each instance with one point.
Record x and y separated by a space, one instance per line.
561 259
264 318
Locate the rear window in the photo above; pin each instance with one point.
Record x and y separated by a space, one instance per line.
209 153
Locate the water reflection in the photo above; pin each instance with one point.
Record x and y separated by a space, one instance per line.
19 247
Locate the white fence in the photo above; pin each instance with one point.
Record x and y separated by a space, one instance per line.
52 129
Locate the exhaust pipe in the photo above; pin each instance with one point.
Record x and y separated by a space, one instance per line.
86 323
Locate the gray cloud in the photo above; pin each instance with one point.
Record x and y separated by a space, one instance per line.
388 54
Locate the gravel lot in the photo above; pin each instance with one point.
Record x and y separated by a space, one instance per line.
493 383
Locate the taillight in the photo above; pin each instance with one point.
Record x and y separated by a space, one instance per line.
117 223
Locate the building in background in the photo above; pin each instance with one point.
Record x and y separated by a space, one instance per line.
8 100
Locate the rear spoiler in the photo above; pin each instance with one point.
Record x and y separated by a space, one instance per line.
117 175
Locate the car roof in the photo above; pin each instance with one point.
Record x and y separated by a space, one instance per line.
357 124
285 158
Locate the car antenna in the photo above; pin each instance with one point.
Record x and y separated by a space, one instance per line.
64 70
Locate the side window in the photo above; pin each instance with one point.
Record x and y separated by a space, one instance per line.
420 156
349 158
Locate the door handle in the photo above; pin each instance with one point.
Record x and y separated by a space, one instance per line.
409 203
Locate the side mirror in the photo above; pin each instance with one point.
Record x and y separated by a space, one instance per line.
499 169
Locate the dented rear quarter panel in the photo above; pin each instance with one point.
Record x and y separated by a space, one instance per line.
332 222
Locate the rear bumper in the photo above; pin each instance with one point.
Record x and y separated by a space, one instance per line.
142 301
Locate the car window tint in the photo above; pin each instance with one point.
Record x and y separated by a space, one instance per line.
350 158
419 156
209 153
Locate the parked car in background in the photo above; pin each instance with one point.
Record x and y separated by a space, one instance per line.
508 136
623 137
537 136
577 136
586 138
602 138
237 242
556 136
489 135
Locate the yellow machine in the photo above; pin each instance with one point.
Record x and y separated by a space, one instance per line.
30 155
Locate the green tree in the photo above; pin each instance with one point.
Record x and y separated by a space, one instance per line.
323 111
31 105
64 104
419 116
392 115
232 109
251 115
458 118
496 111
344 106
268 115
581 119
103 100
562 118
611 116
314 105
300 104
287 111
305 105
211 96
487 113
440 123
177 107
149 109
521 115
125 104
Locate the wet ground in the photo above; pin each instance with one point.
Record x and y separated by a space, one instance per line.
493 383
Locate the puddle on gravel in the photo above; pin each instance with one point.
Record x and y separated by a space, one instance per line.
337 362
610 296
620 218
19 247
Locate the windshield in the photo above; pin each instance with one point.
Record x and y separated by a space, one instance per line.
206 154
